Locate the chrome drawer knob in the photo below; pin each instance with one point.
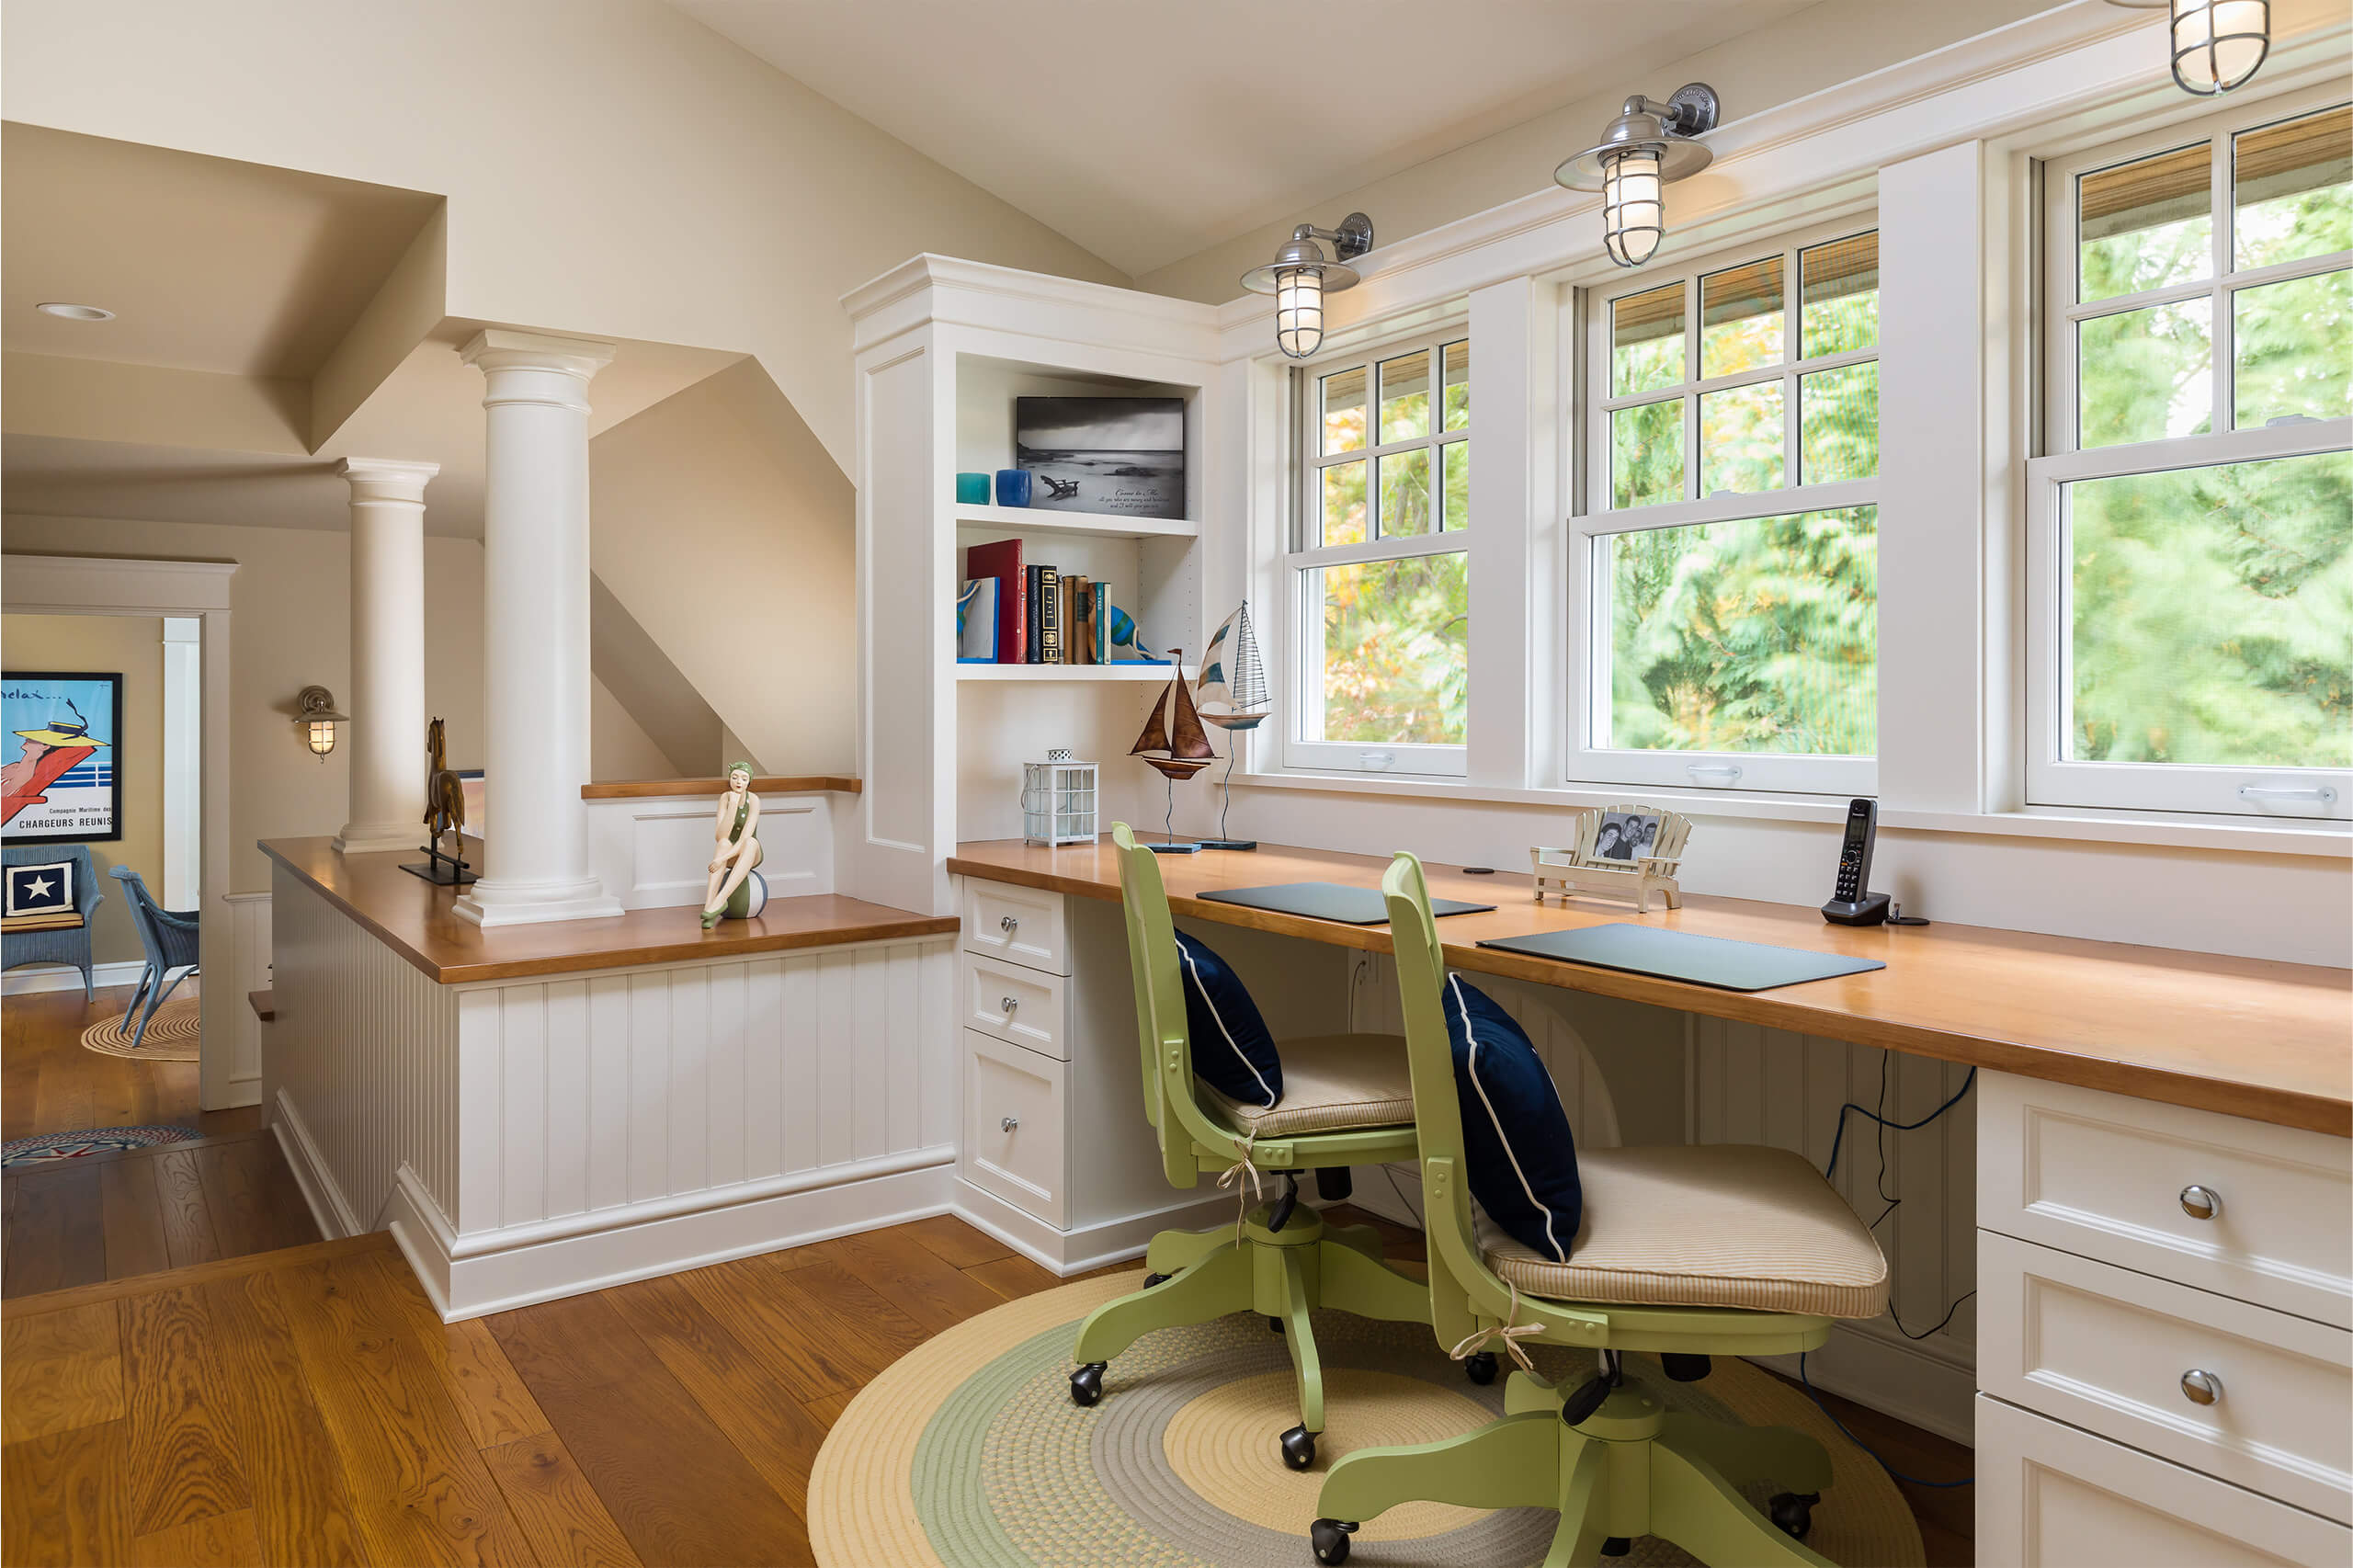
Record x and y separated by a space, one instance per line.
2201 1202
1009 1003
1012 1124
2201 1387
1009 922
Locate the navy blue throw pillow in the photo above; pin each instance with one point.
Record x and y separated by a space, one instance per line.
1231 1049
1516 1138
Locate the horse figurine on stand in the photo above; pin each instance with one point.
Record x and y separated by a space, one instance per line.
445 812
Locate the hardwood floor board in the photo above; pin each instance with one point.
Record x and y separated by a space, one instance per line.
491 1396
742 1297
864 1329
419 1489
735 1390
197 1274
60 1371
1013 1277
921 1283
960 1243
680 1490
65 1498
187 1217
828 1410
185 1456
132 1217
559 1511
49 1084
303 1511
58 1240
224 1540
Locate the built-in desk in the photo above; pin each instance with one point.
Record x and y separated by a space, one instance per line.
540 1109
2163 1182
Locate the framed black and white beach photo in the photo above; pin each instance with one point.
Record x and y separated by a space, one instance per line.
1103 454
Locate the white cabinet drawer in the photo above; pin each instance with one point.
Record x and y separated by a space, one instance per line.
2108 1349
2103 1175
1019 1005
2048 1496
1014 1141
1024 925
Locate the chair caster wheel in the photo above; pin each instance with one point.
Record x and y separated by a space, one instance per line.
1792 1512
1616 1546
1086 1384
1152 1279
1274 1326
1480 1369
1299 1449
1330 1539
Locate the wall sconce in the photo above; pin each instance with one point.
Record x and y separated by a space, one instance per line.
1300 277
318 719
1648 145
2215 44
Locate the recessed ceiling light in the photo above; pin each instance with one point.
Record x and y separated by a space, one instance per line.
74 313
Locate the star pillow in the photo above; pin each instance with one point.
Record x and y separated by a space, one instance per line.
41 890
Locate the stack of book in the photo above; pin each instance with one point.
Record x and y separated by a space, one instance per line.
1013 613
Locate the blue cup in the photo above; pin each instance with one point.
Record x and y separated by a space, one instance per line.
972 490
1013 487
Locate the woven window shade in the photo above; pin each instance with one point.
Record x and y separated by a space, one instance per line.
2303 155
1840 269
1638 318
1741 292
2162 190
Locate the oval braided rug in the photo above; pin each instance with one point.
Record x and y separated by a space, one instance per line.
968 1454
172 1035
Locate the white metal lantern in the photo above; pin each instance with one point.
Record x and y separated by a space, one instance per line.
1058 800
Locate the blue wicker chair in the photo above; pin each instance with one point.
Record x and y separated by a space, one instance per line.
68 948
170 938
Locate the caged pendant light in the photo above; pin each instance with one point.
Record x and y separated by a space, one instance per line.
1646 147
2214 45
1300 275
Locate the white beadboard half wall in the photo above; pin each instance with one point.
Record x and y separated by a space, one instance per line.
535 1137
1743 1084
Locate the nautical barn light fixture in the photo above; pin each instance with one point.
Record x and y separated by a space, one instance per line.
1300 277
318 719
1649 146
2215 44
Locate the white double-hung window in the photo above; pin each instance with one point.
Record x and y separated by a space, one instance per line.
1379 564
2190 523
1724 569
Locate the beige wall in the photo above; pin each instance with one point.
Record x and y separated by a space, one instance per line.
290 628
618 747
721 526
131 646
1817 47
612 167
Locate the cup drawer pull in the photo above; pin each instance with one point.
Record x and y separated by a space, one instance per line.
1012 1124
2201 1202
1009 1003
2200 1387
1007 924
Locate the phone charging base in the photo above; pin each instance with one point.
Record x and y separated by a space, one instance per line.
1868 910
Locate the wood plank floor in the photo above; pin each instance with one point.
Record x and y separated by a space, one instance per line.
49 1084
306 1406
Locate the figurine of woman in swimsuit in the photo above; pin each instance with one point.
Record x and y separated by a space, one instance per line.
735 831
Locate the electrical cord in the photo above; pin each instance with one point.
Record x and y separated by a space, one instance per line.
1810 1393
1839 1137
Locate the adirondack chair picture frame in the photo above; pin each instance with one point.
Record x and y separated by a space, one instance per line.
1627 852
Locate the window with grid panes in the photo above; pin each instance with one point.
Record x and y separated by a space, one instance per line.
1727 557
2190 561
1379 564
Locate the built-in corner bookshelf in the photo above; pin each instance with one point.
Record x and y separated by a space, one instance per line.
944 349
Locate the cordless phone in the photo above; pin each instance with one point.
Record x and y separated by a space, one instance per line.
1851 902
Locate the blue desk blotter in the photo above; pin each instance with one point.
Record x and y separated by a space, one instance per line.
1680 955
1330 900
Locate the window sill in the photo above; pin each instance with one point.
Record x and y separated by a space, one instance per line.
2328 840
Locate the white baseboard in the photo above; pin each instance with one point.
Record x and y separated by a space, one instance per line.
477 1275
1092 1247
26 980
328 1208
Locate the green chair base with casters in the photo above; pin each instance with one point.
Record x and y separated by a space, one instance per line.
1668 1233
1348 1101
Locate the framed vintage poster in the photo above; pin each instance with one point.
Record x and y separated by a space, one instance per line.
64 776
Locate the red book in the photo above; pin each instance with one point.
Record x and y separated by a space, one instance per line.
1003 561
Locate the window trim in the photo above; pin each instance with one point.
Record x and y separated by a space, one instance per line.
2051 780
1584 762
1297 558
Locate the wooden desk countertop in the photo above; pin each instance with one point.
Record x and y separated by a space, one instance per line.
2271 1041
417 921
653 788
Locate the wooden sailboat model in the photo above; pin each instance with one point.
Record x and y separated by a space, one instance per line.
1233 695
1174 742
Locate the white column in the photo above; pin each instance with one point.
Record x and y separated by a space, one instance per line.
387 694
535 640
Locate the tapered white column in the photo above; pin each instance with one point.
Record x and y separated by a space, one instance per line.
535 640
387 700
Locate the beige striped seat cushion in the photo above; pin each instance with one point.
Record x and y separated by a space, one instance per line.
1333 1082
1713 1225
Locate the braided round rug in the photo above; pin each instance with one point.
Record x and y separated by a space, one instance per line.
968 1454
171 1036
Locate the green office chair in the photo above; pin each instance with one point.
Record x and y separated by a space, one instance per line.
1347 1100
1684 1252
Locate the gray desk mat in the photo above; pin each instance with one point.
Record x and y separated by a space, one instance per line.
1330 900
1682 955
